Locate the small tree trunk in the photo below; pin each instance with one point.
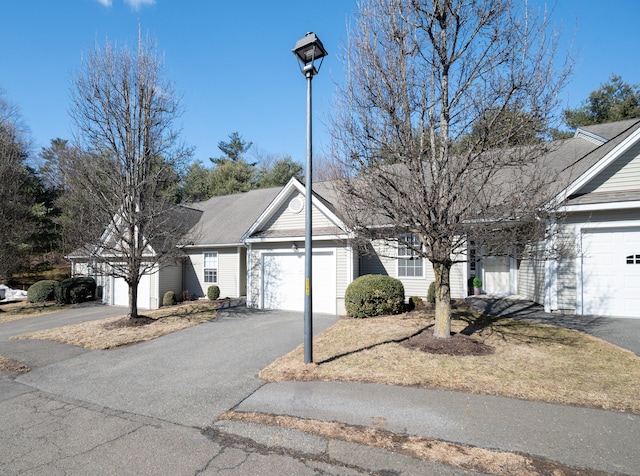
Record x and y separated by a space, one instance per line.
133 301
442 328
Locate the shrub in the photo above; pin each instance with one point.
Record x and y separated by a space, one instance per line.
213 292
374 295
431 293
169 298
477 282
75 290
415 301
185 296
42 291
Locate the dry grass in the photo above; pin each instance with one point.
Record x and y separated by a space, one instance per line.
426 449
116 332
531 361
13 365
13 311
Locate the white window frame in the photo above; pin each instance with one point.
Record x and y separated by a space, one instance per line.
210 267
409 256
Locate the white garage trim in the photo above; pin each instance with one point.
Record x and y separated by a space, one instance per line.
606 284
282 278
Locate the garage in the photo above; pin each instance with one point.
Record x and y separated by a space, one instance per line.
283 278
120 296
611 272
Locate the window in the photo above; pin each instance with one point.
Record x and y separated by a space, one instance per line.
631 259
211 268
410 263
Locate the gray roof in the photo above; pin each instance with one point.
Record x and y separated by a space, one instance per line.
611 129
225 219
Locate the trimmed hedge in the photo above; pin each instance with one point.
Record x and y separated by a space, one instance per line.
75 290
42 291
374 295
213 292
169 298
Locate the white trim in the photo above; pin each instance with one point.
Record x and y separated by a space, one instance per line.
284 239
250 302
591 207
551 271
212 245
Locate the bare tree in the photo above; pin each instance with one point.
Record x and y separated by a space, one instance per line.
124 110
428 85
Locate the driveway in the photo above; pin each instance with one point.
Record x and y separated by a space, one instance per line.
621 331
188 377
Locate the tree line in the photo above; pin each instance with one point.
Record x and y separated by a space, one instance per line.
445 85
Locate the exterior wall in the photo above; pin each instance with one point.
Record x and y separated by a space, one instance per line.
170 279
531 273
229 270
286 219
377 260
623 174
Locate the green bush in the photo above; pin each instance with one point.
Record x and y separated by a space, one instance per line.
213 292
169 298
477 282
42 291
75 290
415 301
374 295
431 293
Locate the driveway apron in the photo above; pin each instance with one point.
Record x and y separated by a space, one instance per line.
188 377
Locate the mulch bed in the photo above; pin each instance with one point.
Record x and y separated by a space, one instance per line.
457 344
126 322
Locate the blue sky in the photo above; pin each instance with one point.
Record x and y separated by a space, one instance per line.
232 60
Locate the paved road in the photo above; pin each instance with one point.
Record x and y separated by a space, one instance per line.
150 408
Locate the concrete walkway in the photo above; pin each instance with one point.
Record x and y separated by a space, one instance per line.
153 408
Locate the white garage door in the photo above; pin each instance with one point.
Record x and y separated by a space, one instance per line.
611 272
283 281
121 292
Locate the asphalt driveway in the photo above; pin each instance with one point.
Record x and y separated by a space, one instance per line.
188 377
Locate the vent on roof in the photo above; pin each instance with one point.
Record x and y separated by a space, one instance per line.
591 137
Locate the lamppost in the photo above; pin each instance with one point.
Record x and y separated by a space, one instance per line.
308 50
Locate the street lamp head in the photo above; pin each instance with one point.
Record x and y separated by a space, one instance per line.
307 50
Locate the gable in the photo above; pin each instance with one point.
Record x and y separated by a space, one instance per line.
285 216
290 215
622 174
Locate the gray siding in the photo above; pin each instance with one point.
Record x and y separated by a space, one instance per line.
170 279
531 280
378 260
229 269
285 219
623 174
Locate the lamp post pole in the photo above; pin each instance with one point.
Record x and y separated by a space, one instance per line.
307 50
308 256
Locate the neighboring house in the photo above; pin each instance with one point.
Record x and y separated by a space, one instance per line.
599 220
252 244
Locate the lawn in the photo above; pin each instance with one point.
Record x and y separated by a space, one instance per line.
529 361
120 331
